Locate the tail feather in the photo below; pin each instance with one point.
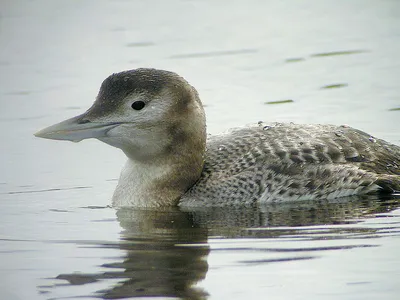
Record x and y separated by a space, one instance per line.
389 183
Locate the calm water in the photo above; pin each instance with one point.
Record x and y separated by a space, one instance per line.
337 61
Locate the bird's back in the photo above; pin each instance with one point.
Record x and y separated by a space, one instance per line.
288 162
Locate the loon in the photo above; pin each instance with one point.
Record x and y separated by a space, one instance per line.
157 119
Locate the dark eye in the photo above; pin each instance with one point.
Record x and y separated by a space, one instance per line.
138 105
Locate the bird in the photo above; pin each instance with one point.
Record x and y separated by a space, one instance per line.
157 119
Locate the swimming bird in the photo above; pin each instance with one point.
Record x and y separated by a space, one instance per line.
157 119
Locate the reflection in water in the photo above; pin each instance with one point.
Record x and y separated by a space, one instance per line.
166 251
165 256
334 86
280 101
335 53
235 221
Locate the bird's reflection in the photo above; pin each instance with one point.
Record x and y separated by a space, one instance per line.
165 251
165 255
223 221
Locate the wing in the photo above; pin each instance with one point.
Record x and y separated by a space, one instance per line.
304 144
273 162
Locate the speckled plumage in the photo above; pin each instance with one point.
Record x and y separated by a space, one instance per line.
172 162
286 162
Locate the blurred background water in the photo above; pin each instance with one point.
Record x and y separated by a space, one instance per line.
307 61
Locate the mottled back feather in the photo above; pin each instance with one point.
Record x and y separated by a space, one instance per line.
278 162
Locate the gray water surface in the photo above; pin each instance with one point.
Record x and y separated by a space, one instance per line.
302 61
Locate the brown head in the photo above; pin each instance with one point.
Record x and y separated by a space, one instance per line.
154 116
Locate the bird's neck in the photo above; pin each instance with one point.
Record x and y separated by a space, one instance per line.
163 180
147 184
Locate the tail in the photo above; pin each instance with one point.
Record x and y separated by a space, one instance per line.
389 183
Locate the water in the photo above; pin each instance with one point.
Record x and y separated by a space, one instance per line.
284 61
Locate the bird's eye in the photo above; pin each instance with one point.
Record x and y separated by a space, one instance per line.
138 105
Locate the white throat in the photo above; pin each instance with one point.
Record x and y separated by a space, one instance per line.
142 185
137 185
